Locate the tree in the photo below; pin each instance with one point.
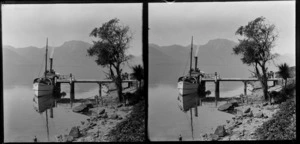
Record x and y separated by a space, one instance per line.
110 49
284 72
255 48
138 73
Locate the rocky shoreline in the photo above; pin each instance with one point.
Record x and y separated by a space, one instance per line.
102 119
249 115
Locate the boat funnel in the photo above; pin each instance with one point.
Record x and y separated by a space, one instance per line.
51 61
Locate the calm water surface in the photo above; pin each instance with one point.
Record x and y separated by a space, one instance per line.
167 121
22 122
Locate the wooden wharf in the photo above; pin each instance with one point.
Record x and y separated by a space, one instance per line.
69 79
216 79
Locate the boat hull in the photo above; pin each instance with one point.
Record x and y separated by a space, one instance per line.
186 88
41 89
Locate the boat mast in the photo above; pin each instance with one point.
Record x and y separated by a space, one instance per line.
46 58
191 57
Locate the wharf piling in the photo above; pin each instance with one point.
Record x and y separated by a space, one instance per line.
217 89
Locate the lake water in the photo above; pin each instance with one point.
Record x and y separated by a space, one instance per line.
22 122
167 121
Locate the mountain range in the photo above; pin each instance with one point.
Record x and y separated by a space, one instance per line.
22 65
167 63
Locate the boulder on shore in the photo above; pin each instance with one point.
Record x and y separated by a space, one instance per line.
105 115
69 138
247 110
59 138
120 105
114 116
225 107
101 111
234 102
213 137
74 132
81 108
259 115
250 114
89 104
220 131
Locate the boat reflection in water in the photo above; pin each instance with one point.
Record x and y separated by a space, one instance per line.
186 103
43 104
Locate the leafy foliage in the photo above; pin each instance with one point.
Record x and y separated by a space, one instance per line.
284 72
133 128
110 49
138 72
286 93
114 40
282 126
289 90
255 48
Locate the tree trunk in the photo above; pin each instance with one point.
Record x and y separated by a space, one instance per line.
264 81
285 83
265 89
118 83
119 89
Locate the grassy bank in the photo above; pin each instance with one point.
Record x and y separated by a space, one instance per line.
133 128
283 124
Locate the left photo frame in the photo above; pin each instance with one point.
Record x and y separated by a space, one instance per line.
73 72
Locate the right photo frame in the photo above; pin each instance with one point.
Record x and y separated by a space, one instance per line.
222 71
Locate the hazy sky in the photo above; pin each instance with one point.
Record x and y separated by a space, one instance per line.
29 24
176 23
